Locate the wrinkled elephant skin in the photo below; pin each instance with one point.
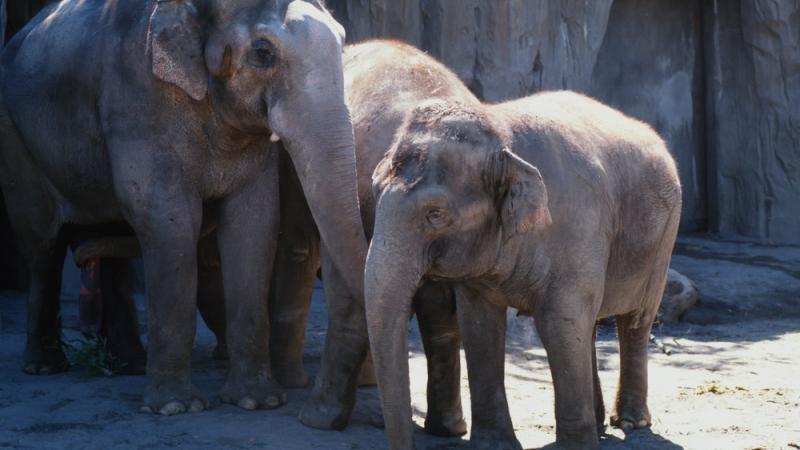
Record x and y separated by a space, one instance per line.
159 115
553 204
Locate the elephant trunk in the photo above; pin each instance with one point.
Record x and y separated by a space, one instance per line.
392 276
326 167
307 110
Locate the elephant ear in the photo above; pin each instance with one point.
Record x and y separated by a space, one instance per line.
176 46
524 195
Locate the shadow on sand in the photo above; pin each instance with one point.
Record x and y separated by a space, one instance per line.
642 438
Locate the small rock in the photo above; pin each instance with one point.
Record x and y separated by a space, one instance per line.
679 295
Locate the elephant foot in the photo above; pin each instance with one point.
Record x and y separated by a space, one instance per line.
171 398
253 392
291 376
220 352
45 361
486 440
325 415
629 418
448 425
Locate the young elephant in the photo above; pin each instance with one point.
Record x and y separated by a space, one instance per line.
554 204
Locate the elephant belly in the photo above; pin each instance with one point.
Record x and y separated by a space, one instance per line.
74 171
622 296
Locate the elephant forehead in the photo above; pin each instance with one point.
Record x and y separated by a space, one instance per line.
454 169
319 24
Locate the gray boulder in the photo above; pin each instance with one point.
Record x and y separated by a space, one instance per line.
679 295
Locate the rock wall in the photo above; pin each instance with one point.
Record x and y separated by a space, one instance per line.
752 68
719 79
650 66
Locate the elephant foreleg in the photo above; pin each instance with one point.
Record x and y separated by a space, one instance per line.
566 327
166 215
435 308
483 329
346 345
169 249
247 236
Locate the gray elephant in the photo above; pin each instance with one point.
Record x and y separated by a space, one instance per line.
553 204
160 114
300 255
369 69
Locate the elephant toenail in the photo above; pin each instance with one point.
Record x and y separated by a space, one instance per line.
272 401
146 409
641 424
247 403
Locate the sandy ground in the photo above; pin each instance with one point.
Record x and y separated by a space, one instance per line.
731 380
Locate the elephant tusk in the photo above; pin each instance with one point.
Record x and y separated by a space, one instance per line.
274 138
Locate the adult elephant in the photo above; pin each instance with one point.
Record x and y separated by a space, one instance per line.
160 114
554 204
382 85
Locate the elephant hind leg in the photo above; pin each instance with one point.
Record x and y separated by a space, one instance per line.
297 261
366 376
435 307
120 324
633 330
211 293
31 211
43 350
631 404
634 337
293 277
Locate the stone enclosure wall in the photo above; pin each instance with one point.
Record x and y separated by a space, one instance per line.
719 79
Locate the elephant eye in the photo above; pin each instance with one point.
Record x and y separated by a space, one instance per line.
437 217
262 54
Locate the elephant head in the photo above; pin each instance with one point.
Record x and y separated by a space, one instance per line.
451 198
273 67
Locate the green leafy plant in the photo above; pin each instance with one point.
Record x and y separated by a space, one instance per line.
92 355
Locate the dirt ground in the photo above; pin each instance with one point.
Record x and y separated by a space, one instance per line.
731 379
